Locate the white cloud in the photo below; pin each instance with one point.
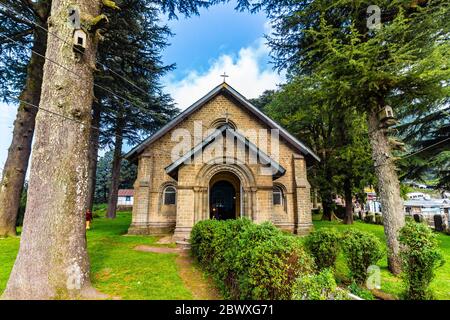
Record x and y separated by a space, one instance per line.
249 73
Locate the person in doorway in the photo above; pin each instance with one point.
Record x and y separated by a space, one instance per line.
88 219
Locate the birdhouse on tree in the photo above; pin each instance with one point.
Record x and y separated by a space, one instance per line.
79 40
386 116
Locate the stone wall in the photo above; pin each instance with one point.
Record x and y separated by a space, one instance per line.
150 216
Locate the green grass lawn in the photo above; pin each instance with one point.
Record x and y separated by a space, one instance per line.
390 283
117 269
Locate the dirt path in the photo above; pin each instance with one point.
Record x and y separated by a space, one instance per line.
193 278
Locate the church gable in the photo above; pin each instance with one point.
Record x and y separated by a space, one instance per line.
243 151
243 174
221 104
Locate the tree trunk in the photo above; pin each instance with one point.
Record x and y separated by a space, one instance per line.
314 198
93 154
389 189
115 175
52 262
348 219
327 199
16 165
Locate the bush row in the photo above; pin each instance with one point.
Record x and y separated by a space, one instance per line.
361 250
250 261
374 218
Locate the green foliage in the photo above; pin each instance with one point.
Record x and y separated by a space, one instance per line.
420 257
360 292
378 219
369 217
116 268
323 244
390 283
250 261
307 110
128 173
321 286
362 249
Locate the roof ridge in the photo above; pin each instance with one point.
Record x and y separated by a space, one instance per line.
200 102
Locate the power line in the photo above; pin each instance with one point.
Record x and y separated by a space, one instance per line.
75 120
426 148
97 85
145 110
65 41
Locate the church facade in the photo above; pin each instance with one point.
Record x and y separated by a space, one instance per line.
221 158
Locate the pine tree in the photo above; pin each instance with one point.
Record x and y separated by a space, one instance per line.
402 64
339 138
131 47
52 261
21 74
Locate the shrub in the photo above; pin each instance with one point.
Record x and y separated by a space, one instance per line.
321 286
361 249
323 245
360 292
369 218
420 257
378 219
250 261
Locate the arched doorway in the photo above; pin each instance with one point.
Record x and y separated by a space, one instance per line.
224 196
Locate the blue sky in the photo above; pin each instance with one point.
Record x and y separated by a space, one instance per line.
218 30
203 47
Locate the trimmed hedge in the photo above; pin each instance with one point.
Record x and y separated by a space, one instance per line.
250 261
361 249
420 257
321 286
323 245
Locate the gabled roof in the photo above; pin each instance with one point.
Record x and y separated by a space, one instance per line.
125 192
223 88
172 169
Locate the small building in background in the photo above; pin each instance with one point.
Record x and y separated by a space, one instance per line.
418 196
125 199
427 209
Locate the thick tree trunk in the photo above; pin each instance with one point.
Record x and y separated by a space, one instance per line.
93 154
52 262
16 165
115 174
389 189
348 219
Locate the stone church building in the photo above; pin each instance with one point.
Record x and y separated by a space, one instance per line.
230 169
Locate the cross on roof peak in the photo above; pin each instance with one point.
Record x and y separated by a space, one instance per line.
224 76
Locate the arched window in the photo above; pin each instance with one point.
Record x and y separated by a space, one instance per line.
277 195
169 195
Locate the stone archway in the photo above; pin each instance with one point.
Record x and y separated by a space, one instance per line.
224 196
238 174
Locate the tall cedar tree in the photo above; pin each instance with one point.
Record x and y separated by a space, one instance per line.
339 138
403 64
52 261
21 77
128 172
131 47
428 136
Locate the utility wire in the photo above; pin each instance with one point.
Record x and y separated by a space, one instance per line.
145 110
103 65
65 41
426 148
76 120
